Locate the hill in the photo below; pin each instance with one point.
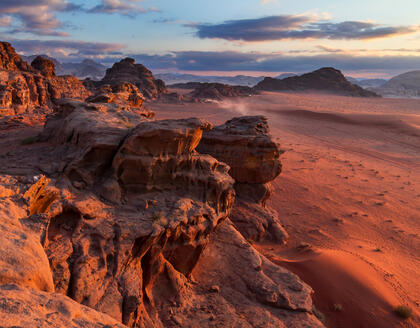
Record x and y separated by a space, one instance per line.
326 79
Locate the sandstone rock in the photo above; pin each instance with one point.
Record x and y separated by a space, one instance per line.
22 259
253 292
245 145
20 307
10 60
128 71
40 197
44 65
27 89
123 93
166 200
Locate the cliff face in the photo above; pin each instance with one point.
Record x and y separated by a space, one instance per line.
24 88
325 79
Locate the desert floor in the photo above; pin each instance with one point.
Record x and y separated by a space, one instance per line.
349 196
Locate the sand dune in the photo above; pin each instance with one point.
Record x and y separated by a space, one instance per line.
339 278
350 188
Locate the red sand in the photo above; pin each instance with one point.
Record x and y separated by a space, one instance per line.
350 188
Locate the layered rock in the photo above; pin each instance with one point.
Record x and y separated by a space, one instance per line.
24 88
245 145
128 71
326 79
166 200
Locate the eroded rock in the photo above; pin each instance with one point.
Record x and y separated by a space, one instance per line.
21 307
140 206
245 145
127 70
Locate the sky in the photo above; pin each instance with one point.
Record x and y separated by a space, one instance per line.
363 38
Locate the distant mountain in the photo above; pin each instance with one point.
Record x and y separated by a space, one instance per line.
175 78
285 75
326 79
367 83
86 69
403 85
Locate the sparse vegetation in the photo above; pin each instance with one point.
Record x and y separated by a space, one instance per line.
403 311
28 141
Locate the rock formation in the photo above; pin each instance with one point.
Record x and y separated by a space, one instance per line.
326 79
10 60
26 88
123 94
218 91
403 85
245 145
128 71
110 218
44 65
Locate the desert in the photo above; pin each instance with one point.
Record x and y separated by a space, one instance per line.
224 164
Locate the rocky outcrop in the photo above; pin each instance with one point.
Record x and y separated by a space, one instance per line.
128 71
124 94
245 145
10 60
44 65
166 200
218 91
25 88
21 307
326 79
117 215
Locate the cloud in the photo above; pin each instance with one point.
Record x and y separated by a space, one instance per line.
36 16
267 62
5 21
68 50
39 17
122 7
296 27
201 61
